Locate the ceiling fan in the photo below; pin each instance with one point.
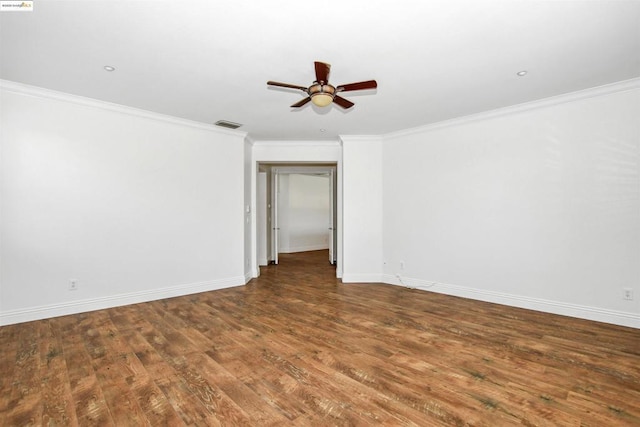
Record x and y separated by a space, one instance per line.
321 93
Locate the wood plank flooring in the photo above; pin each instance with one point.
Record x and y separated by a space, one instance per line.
297 347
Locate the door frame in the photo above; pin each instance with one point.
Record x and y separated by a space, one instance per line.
302 168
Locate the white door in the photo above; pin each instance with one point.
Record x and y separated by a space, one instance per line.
275 189
332 225
262 215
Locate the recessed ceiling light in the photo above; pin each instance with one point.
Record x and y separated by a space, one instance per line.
522 73
323 130
109 68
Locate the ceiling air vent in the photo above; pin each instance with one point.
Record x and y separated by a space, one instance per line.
227 124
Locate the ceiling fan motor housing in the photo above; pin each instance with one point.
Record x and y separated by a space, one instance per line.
317 88
321 95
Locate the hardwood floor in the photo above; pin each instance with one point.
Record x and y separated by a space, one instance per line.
297 347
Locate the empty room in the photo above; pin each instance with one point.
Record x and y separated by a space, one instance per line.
320 214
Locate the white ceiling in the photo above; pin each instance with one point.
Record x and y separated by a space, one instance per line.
210 60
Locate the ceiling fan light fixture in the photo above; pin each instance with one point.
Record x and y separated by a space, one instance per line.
321 99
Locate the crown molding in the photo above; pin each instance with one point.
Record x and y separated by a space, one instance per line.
297 143
361 138
28 90
38 92
622 86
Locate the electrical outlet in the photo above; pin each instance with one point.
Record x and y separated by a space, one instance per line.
401 265
627 293
73 285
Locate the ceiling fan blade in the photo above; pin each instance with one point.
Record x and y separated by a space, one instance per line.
369 84
322 72
344 103
302 102
271 83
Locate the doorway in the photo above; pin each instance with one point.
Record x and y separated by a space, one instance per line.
296 210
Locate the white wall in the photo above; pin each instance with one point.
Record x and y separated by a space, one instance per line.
362 190
132 205
303 213
535 206
539 208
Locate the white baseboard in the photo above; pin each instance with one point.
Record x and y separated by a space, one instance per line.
308 248
248 276
361 278
81 306
621 318
583 312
